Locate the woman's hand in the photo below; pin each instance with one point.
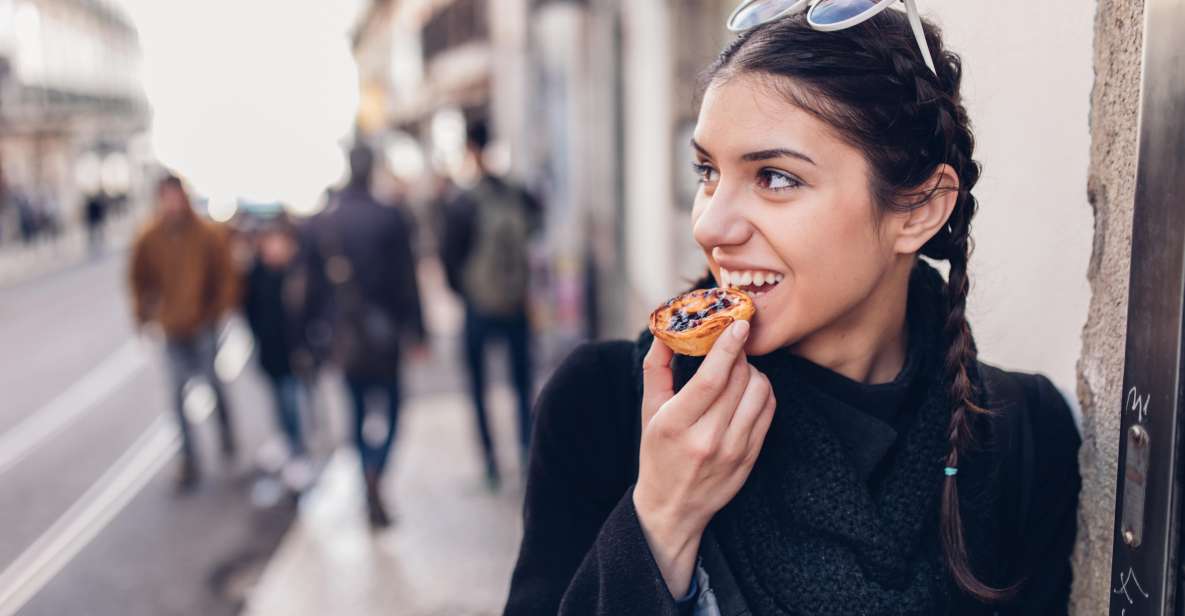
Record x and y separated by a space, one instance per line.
698 447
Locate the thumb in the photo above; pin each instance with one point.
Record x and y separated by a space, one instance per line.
658 383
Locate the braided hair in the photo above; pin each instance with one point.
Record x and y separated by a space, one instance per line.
871 84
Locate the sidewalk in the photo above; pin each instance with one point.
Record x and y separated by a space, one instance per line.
451 550
20 262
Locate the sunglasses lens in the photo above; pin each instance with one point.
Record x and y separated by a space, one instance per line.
757 12
831 12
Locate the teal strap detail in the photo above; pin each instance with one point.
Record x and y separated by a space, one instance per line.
950 471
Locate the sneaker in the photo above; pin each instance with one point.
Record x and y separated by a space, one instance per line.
230 450
377 515
493 479
188 477
375 510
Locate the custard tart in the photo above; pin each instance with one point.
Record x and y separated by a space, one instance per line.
691 323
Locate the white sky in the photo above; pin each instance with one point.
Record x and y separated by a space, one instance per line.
251 98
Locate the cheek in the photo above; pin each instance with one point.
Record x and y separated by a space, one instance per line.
833 259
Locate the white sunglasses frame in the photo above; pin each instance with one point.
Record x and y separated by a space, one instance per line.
798 6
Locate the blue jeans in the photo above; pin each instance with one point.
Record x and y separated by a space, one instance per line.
286 391
374 456
194 358
515 330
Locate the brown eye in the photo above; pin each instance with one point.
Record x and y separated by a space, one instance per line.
772 179
704 174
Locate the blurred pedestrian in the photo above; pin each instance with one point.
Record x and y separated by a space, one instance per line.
274 306
484 250
95 214
364 252
182 282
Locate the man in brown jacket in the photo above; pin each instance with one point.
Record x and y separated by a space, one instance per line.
183 282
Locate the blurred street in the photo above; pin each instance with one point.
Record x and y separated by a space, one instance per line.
93 523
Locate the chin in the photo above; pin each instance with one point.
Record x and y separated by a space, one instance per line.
762 343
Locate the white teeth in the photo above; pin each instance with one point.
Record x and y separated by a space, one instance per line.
749 278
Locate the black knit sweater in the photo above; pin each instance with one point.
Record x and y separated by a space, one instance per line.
583 551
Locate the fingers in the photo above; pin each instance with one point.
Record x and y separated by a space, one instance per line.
755 406
712 376
761 428
715 420
657 379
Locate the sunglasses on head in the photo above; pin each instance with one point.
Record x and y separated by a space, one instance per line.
826 16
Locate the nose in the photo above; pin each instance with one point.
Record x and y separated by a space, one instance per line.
721 223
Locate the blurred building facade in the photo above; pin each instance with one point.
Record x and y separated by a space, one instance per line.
592 104
72 111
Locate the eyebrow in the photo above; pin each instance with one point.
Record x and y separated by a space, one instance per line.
761 154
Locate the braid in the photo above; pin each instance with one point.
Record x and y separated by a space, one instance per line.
956 245
938 111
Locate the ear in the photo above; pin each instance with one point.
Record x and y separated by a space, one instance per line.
915 227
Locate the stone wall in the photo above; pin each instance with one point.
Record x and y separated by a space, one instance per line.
1111 187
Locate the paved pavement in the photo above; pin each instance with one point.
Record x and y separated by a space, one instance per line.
92 525
451 551
20 262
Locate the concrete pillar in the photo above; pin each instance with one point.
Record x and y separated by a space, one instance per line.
1111 191
648 194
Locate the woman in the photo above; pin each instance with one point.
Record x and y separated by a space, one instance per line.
275 313
847 453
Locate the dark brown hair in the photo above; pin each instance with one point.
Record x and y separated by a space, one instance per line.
872 86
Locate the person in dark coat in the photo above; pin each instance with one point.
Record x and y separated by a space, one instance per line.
846 451
273 306
362 253
95 214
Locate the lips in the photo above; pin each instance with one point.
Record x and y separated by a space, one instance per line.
753 282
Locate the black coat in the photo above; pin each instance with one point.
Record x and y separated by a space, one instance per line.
363 281
583 551
277 322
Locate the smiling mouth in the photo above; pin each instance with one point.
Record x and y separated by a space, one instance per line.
753 282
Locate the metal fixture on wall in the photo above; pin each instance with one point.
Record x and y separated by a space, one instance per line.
1144 569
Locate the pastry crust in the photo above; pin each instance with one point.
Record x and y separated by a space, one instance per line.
691 323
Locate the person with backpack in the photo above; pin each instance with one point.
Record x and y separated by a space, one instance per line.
484 251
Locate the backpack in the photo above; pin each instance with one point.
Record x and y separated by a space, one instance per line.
495 274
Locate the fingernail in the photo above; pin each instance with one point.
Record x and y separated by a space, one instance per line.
740 329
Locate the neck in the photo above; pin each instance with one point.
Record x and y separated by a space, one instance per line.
868 343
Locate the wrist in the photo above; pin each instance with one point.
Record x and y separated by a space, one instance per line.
674 542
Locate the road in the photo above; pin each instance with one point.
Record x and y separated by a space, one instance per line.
91 522
88 451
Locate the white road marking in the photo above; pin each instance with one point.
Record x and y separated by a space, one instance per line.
83 521
41 425
235 348
108 496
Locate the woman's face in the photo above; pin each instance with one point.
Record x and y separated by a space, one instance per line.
784 211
